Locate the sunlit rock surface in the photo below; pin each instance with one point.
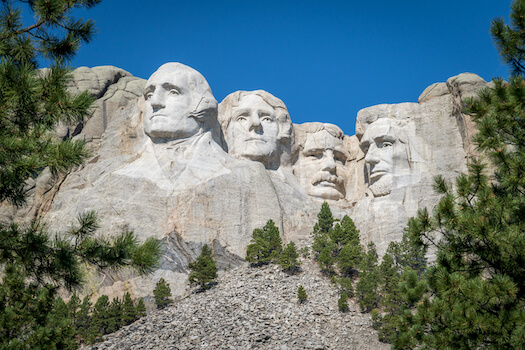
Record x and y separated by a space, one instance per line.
170 162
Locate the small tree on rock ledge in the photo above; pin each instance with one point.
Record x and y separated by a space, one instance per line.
301 294
288 258
265 246
203 270
162 294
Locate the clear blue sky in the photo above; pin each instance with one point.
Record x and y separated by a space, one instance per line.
325 59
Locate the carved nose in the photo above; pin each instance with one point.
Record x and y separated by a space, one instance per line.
255 123
157 100
371 157
328 163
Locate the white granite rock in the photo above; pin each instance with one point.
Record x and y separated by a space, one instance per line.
161 168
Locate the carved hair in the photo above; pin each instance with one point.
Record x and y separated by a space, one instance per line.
302 131
281 112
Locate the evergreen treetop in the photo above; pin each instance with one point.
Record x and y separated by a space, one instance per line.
325 220
288 258
265 246
162 294
203 269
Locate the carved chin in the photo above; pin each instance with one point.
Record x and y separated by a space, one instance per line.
382 187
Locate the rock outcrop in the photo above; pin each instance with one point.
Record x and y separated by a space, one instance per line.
170 162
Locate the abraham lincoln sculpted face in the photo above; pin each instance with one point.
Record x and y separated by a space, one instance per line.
385 155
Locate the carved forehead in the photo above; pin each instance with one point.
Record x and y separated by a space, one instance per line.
381 128
253 101
322 140
233 100
179 75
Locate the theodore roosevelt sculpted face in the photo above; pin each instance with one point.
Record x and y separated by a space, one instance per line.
320 163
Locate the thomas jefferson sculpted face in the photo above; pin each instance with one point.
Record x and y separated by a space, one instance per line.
320 165
178 103
256 126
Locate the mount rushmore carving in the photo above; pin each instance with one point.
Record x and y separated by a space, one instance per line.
170 162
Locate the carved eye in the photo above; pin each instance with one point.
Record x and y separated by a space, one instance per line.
241 118
266 118
315 155
174 92
148 95
386 144
340 159
364 147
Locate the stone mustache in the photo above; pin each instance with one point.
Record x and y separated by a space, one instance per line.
255 125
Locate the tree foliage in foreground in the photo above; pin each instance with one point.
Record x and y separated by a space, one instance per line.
35 263
33 101
476 290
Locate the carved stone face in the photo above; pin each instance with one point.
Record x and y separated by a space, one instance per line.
320 166
253 130
385 156
168 103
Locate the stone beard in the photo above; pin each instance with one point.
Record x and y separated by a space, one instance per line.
386 155
320 166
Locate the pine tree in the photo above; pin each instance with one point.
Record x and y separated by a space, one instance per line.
367 287
349 259
73 307
346 233
288 258
325 220
203 270
59 328
326 261
265 246
114 316
342 303
83 321
129 312
100 319
301 294
34 264
162 294
141 309
345 286
33 101
476 290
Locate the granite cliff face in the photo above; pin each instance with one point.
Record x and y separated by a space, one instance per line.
170 162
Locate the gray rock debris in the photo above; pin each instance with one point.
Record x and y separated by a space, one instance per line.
253 308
